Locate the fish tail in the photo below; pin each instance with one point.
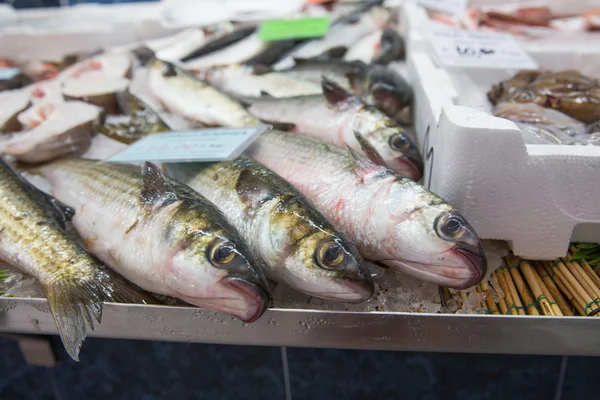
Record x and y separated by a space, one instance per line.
76 303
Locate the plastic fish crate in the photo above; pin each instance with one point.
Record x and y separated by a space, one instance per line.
536 197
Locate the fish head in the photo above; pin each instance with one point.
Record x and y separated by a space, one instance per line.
443 247
319 260
214 270
387 90
396 147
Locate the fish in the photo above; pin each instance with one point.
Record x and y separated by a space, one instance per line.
12 102
335 116
184 94
97 90
160 235
376 85
299 246
391 47
56 130
388 91
33 239
391 219
342 34
219 42
236 53
141 120
245 81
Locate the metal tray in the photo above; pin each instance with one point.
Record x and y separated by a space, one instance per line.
334 329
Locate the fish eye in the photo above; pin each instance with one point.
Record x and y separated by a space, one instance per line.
221 253
330 255
168 70
525 96
399 142
450 226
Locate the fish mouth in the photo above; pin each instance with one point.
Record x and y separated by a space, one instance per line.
351 291
476 258
409 168
246 300
443 275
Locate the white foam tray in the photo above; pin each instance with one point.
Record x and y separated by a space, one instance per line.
536 197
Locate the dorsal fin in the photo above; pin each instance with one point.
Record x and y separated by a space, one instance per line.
334 93
157 189
370 152
252 189
365 168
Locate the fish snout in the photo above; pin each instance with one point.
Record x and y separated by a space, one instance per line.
254 297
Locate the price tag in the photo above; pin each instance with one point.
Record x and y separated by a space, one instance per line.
9 73
202 145
300 28
452 7
480 50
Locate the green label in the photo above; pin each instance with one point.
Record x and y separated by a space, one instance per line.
281 29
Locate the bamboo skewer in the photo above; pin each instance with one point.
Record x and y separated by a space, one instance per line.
553 290
501 302
580 275
579 294
546 292
522 288
513 291
511 307
489 299
534 284
481 304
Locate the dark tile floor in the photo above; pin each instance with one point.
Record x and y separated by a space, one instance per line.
126 369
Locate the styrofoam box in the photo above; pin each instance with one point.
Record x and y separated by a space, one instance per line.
536 197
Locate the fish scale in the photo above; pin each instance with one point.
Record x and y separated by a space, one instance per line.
282 227
32 239
391 219
161 235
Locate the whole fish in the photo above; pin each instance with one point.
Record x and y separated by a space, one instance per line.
300 247
335 117
161 235
247 81
220 42
184 94
142 120
33 239
391 219
376 85
342 34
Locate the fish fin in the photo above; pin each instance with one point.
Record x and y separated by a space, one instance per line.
252 189
370 151
301 61
365 168
266 95
60 210
333 92
332 54
76 303
157 189
281 126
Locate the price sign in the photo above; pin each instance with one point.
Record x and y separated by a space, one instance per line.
480 50
452 7
299 28
201 145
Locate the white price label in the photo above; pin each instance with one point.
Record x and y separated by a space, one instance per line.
480 50
452 7
201 145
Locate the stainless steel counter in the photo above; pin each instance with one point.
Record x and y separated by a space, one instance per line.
310 328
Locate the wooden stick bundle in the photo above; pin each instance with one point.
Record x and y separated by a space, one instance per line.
584 300
501 302
489 299
513 264
562 303
510 304
540 296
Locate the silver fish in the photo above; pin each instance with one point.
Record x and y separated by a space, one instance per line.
161 235
32 238
391 219
300 247
334 117
184 94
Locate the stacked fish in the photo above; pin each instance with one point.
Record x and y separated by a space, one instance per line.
309 208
